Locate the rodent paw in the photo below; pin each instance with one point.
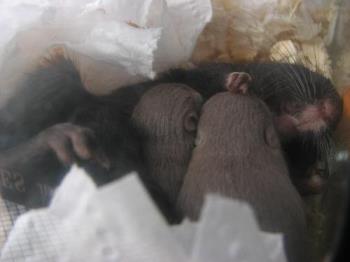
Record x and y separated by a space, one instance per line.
238 82
72 143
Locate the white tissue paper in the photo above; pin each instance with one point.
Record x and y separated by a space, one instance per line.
119 222
135 38
228 231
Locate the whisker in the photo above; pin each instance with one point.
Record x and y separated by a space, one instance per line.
312 81
293 79
300 81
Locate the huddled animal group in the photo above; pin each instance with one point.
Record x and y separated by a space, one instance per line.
245 131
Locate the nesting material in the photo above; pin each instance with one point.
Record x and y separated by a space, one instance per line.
218 239
314 57
289 30
119 222
9 211
117 42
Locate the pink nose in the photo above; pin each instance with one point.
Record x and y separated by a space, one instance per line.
326 109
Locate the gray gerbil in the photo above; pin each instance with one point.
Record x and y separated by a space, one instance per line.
166 116
238 155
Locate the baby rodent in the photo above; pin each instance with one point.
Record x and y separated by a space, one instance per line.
238 155
166 117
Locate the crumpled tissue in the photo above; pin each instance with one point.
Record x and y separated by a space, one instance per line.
119 222
132 39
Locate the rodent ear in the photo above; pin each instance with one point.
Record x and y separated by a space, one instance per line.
191 121
271 137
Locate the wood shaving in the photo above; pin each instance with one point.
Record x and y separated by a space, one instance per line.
296 31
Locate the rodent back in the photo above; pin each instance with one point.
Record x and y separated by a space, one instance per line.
251 125
167 116
255 172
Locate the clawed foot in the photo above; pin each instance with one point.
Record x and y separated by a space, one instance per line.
313 184
238 82
72 143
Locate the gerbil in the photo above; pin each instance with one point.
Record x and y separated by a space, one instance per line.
166 117
305 105
238 155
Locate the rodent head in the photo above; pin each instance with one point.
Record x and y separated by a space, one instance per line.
236 125
168 113
305 103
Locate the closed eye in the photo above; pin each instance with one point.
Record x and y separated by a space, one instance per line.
293 108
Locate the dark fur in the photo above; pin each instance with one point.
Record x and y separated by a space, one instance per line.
238 155
54 94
